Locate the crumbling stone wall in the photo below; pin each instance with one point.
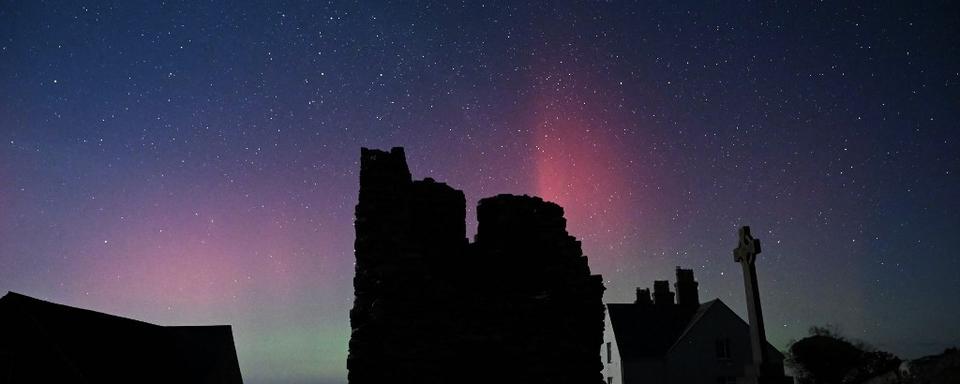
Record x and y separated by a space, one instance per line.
518 305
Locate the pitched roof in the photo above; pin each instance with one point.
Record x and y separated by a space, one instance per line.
97 347
651 331
701 310
647 331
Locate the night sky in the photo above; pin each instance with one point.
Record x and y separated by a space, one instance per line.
197 162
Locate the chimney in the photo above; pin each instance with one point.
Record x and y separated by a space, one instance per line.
686 287
643 296
661 292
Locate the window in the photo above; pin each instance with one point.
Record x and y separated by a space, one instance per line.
609 380
609 353
723 348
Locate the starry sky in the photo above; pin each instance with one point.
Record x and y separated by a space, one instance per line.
196 162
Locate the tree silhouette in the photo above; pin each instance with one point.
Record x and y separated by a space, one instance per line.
826 357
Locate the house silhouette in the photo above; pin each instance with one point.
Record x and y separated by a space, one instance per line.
44 342
654 341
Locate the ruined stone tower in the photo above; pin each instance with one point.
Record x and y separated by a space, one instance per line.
518 305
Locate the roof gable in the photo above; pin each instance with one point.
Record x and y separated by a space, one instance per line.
106 348
651 331
646 331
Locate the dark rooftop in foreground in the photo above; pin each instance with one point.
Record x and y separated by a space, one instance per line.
49 342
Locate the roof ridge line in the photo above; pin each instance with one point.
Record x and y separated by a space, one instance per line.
701 310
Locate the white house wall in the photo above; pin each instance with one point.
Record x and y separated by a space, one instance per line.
612 368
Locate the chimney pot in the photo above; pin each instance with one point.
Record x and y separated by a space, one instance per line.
661 293
686 287
643 296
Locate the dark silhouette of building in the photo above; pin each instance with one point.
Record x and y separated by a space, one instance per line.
662 341
43 342
517 305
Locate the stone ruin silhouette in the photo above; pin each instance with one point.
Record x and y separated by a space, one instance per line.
516 305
